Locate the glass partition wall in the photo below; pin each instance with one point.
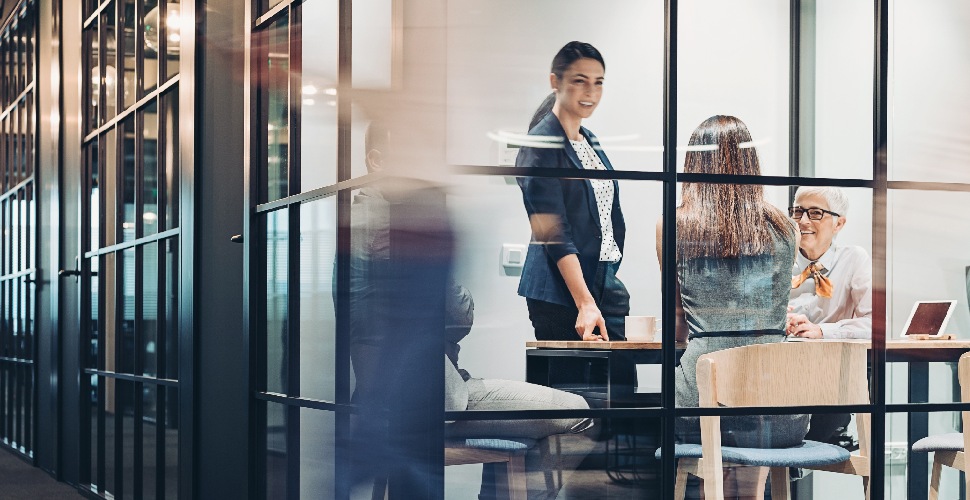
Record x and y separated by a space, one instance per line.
130 265
812 83
18 218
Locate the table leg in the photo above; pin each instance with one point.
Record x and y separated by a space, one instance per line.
537 369
917 428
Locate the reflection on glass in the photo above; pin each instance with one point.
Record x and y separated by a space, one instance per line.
277 300
96 429
111 185
126 412
277 456
127 82
150 77
170 328
174 23
318 105
111 61
552 465
93 88
171 443
95 326
148 210
91 156
129 159
318 232
275 72
126 342
149 437
109 435
317 464
149 318
109 307
168 174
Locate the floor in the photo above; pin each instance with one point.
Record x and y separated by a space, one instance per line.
19 480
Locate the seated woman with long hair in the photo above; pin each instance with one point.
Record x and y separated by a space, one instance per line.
734 258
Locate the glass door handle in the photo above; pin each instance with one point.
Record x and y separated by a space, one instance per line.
237 238
64 273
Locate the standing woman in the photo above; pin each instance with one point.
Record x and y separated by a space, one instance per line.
569 278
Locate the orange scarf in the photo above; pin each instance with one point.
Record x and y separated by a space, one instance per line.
823 285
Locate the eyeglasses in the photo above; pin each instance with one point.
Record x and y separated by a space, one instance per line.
813 213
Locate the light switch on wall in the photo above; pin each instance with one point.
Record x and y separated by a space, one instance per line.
513 255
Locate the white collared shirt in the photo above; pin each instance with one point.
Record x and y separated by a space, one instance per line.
603 189
848 313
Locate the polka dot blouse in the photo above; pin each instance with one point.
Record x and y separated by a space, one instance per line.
603 189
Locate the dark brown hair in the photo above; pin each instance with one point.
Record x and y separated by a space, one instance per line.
725 220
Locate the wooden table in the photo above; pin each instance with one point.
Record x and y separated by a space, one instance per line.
916 353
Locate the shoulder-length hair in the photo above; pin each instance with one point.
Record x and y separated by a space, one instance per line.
726 220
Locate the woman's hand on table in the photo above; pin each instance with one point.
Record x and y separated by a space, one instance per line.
588 319
800 326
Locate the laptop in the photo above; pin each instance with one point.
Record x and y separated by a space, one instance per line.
928 319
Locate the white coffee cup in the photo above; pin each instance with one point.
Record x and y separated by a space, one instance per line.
641 328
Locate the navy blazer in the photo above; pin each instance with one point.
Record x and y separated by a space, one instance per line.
563 216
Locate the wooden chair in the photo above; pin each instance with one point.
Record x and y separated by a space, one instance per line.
777 374
949 449
484 451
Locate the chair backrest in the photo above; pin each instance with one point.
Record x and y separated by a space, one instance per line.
963 372
785 374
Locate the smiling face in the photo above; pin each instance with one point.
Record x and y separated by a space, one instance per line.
817 235
579 90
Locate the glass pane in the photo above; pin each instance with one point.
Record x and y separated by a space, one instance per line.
318 237
128 41
277 457
317 465
149 198
149 319
93 403
171 431
318 108
150 444
275 73
487 116
111 60
171 307
926 114
905 466
126 412
94 194
111 437
109 310
617 457
757 40
92 360
174 22
835 118
277 301
112 187
92 77
168 174
127 331
151 26
129 159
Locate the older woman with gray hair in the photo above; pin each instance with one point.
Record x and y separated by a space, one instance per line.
831 295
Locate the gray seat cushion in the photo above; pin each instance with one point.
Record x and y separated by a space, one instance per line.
513 445
940 442
807 454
